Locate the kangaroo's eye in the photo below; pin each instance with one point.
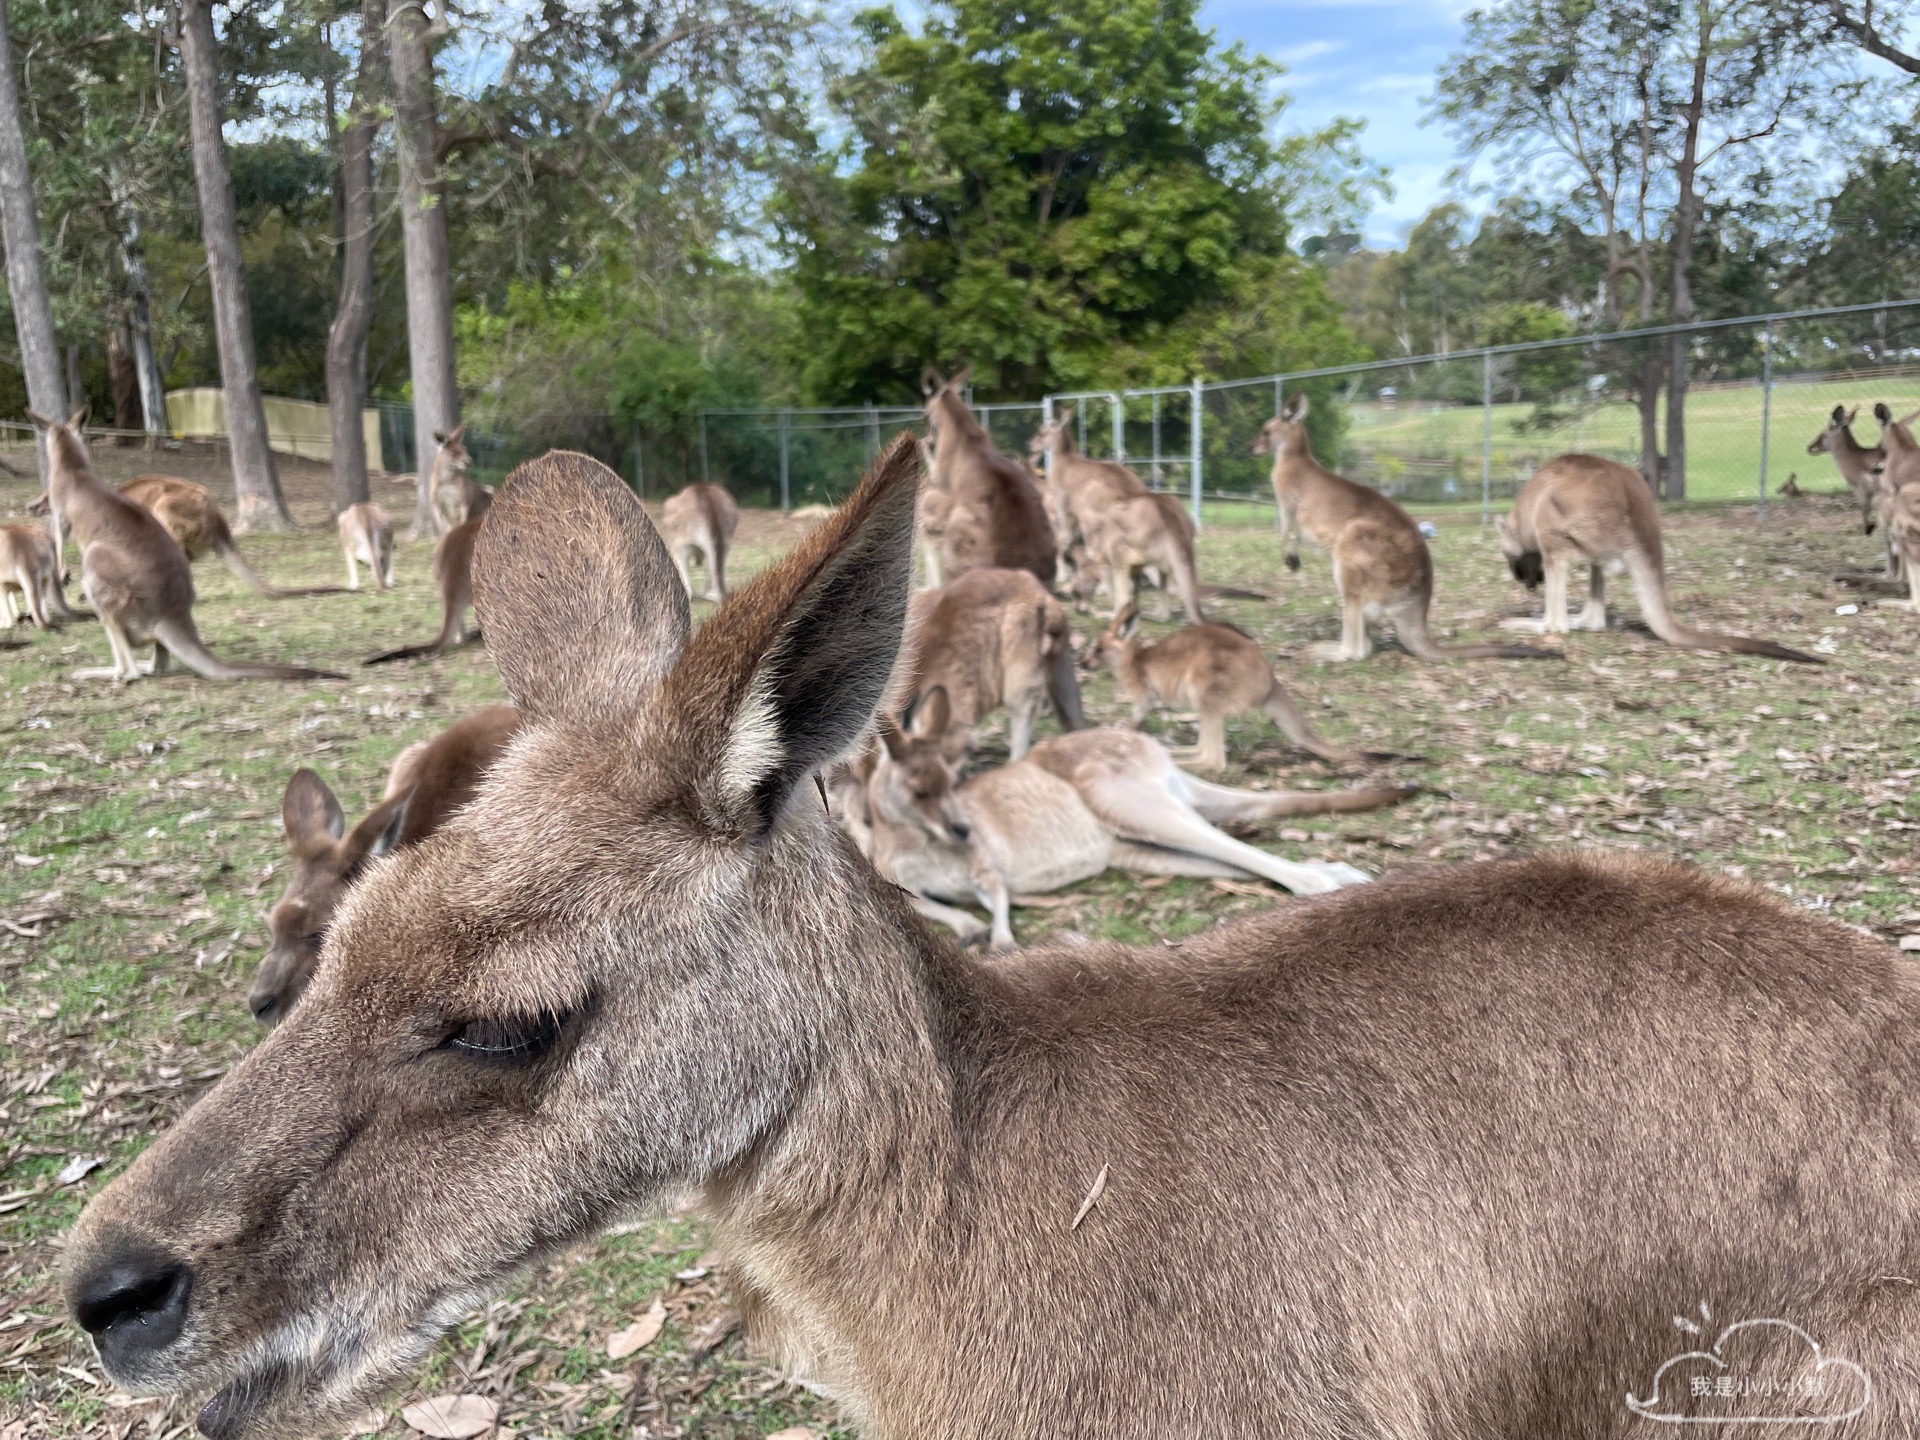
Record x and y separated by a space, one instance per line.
514 1038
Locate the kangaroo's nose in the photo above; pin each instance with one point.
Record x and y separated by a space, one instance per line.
133 1302
265 1007
961 830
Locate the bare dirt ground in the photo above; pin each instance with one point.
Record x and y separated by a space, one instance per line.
140 846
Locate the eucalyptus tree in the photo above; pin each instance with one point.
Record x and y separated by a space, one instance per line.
26 274
353 316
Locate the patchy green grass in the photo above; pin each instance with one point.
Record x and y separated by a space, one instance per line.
140 845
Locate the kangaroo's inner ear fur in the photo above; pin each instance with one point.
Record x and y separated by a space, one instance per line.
577 597
311 812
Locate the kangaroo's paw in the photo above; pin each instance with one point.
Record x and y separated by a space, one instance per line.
101 672
1338 873
1526 624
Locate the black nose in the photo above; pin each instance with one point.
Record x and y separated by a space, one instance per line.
266 1008
133 1303
961 831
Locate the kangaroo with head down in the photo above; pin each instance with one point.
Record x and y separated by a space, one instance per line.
188 514
366 538
1434 1158
700 520
1583 508
1381 565
427 782
134 574
30 577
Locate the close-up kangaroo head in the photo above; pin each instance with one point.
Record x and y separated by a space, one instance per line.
1285 433
1838 423
453 449
1523 560
913 780
578 995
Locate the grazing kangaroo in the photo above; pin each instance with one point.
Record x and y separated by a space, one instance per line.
1126 526
187 512
1583 508
1435 1158
453 578
701 519
995 517
1076 806
366 538
426 784
1214 669
992 638
30 577
1855 462
1381 564
134 574
457 497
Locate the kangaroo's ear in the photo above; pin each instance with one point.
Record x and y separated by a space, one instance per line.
380 831
932 715
960 378
786 677
311 812
1847 418
456 435
1295 409
930 382
577 597
41 420
1882 413
1839 416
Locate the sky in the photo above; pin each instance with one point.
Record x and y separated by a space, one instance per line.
1372 59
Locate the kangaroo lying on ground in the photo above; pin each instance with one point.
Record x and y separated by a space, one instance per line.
1855 462
453 578
994 516
1214 669
1381 565
1076 806
992 638
1583 508
456 496
1435 1158
1125 526
30 577
366 538
427 782
134 574
701 519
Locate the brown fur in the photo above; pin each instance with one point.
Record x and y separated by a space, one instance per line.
995 517
30 577
1583 508
1855 462
426 784
188 514
1433 1159
701 520
134 574
1214 669
366 537
1381 564
992 638
453 578
456 497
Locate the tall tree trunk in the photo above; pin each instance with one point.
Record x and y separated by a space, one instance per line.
347 339
256 483
146 366
436 400
123 383
1685 223
26 277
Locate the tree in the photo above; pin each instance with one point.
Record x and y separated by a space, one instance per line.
26 276
1034 189
353 317
256 483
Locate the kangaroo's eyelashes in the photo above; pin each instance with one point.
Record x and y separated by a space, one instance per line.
514 1040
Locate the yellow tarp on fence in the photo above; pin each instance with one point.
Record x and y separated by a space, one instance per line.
294 427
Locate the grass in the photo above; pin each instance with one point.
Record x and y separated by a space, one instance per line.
140 846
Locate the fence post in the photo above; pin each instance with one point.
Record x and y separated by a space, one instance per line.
873 433
703 447
786 500
1046 419
1196 408
1119 428
1766 415
639 463
1159 478
1486 438
1279 404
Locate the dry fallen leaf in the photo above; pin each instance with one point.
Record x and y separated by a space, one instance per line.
371 1423
639 1334
792 1432
452 1417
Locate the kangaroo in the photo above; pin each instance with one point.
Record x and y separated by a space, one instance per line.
366 537
992 638
1583 508
457 497
1126 526
187 512
1214 669
701 519
453 578
1381 564
30 577
134 574
1433 1158
1855 462
996 518
1076 806
426 784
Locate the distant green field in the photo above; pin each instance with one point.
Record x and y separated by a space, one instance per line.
1723 435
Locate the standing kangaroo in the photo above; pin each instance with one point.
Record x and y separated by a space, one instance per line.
1855 462
453 578
30 577
992 638
995 517
426 784
366 537
456 496
134 574
701 520
1435 1158
1125 526
1215 669
1583 508
1381 565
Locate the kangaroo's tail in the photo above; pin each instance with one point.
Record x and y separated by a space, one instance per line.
1410 624
222 539
1335 802
183 642
449 622
1650 582
1282 710
1063 683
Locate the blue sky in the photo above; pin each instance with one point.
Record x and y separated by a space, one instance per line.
1374 59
